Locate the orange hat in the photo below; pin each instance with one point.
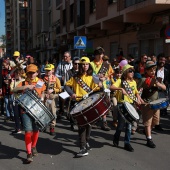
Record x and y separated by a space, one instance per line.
32 68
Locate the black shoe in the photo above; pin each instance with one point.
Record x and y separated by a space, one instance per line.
158 127
150 143
7 119
73 127
29 158
88 147
34 151
128 147
83 152
115 142
58 117
16 131
12 118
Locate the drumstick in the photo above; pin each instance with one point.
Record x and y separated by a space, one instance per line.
92 90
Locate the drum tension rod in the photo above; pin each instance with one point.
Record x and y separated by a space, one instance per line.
98 114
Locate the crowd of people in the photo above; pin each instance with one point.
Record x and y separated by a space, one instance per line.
126 81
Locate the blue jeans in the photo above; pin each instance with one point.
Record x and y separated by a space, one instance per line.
8 99
120 126
28 123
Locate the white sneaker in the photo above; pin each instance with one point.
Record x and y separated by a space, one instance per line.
83 152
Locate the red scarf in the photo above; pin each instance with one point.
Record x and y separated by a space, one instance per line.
148 79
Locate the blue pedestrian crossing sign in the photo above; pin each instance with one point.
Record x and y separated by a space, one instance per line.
79 42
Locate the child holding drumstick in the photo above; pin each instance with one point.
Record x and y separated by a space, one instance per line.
150 87
129 94
82 84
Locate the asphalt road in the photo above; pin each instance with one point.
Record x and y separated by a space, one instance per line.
57 152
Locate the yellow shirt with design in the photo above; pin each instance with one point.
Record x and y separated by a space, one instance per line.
133 86
96 70
78 90
55 82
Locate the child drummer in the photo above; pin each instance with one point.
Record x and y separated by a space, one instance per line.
150 87
31 130
129 94
82 84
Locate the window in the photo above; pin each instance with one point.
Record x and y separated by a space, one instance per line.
158 46
132 2
92 6
133 50
144 46
71 13
112 1
64 17
58 2
113 50
49 18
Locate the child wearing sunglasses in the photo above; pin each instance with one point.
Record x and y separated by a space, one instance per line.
125 96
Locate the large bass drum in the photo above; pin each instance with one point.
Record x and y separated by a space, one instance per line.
35 109
89 110
128 112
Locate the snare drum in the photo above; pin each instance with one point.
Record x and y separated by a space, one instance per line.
89 110
159 104
128 112
35 109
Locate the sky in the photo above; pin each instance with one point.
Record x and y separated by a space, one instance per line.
2 17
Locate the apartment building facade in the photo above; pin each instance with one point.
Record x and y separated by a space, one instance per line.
16 26
119 26
46 28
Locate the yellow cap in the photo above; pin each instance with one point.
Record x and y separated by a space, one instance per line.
84 60
16 54
127 66
49 67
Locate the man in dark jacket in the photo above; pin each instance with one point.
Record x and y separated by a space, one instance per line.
162 75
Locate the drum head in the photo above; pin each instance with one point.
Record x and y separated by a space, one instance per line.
158 101
132 110
86 103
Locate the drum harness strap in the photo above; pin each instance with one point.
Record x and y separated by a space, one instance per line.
104 68
83 85
129 91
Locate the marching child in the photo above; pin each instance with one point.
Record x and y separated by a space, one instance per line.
129 93
31 130
51 95
82 84
150 87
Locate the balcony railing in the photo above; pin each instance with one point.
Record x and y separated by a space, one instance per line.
132 2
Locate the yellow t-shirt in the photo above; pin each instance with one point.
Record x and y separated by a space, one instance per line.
77 89
96 68
132 84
